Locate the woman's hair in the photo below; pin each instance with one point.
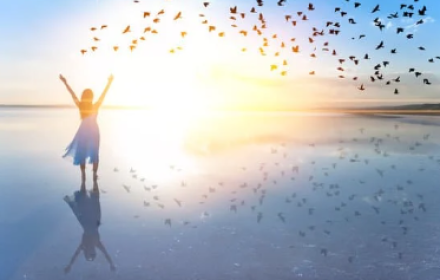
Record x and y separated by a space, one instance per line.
87 96
89 253
86 103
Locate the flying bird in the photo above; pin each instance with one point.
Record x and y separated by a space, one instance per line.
126 30
376 9
179 15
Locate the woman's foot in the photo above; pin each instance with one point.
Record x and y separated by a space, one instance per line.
95 187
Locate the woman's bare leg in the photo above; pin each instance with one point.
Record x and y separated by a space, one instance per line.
95 170
82 166
95 187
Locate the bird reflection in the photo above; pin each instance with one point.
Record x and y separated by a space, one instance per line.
86 207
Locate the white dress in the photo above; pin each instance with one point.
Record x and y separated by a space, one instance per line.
85 144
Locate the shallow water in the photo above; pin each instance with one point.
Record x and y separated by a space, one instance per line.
263 196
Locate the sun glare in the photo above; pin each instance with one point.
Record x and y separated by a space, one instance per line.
169 73
154 143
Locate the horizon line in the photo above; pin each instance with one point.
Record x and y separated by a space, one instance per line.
404 109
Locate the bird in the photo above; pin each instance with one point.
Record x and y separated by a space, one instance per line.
281 217
178 202
178 16
422 12
281 2
376 9
259 217
126 30
380 46
168 222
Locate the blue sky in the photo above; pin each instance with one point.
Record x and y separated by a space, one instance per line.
41 39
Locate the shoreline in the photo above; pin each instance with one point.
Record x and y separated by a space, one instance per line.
358 112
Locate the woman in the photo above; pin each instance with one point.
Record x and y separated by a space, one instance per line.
85 144
86 207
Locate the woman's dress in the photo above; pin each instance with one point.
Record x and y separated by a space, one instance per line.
85 144
86 207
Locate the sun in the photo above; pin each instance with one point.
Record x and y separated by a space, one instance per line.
177 89
159 82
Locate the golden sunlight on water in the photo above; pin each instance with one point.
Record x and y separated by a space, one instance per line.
160 144
181 155
152 143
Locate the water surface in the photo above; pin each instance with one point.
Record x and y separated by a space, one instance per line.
262 196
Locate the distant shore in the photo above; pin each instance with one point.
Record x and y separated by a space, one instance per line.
416 110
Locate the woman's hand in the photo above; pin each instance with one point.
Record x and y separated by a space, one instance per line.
62 78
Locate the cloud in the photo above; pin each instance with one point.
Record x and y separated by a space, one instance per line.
414 27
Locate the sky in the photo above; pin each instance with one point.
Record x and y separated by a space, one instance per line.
41 39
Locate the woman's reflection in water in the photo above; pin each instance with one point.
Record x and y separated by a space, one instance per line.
87 209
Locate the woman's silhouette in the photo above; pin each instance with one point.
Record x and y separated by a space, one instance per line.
85 144
87 209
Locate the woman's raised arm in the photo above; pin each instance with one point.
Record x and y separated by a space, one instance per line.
75 99
107 256
69 266
104 93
